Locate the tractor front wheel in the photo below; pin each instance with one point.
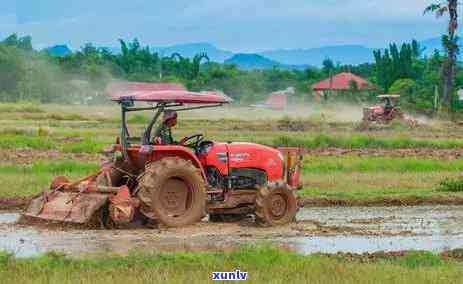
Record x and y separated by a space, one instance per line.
276 205
173 192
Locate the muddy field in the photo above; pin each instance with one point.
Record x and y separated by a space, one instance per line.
391 202
327 230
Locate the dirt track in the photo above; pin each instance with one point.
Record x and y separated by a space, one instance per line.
28 156
13 203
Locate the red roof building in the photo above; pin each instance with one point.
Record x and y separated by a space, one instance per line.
342 82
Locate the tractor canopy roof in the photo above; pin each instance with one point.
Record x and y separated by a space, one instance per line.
175 96
388 96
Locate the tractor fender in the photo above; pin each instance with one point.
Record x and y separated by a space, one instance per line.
165 151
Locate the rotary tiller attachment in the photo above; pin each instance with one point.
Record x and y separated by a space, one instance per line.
79 202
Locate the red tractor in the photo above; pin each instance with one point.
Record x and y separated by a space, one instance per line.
383 113
177 184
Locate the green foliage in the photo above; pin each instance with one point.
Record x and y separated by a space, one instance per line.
258 261
416 260
81 77
137 118
403 87
21 107
396 64
451 185
49 167
363 141
6 258
315 164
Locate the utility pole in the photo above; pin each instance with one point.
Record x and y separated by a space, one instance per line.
160 65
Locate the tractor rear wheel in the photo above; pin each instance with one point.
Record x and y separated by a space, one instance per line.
276 205
173 192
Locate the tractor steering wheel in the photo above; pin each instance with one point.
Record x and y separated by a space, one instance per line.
194 144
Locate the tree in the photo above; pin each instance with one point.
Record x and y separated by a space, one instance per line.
450 44
328 66
397 63
197 63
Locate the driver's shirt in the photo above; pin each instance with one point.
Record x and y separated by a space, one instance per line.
164 132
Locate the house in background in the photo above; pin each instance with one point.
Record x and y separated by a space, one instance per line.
341 82
279 100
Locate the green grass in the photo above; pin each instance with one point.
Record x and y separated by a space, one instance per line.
365 141
356 186
21 107
26 180
50 127
11 141
85 146
41 142
451 184
318 164
354 178
263 264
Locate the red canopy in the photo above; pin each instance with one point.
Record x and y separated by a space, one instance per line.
174 96
123 88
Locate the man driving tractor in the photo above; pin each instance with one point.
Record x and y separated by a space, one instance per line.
388 107
163 134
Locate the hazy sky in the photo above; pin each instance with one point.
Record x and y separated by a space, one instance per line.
247 25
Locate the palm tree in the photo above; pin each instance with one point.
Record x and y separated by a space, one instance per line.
450 43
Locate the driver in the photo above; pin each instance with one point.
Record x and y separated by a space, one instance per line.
163 134
388 105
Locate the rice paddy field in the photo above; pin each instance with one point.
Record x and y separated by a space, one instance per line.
346 164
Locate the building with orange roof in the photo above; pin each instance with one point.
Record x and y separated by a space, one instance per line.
341 82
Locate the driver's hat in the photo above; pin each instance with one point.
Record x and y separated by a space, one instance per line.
169 114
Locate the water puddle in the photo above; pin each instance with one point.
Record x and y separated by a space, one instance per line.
328 230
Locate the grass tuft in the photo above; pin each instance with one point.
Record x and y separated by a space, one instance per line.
264 264
19 107
451 185
416 260
363 141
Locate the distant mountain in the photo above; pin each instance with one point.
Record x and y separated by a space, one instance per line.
283 58
249 61
344 54
192 49
59 50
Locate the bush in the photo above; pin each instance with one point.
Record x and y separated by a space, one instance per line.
451 185
5 258
420 259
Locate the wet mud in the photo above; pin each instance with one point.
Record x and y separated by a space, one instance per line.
355 230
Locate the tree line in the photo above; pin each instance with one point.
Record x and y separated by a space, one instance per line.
27 74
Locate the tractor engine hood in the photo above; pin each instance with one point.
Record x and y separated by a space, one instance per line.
226 156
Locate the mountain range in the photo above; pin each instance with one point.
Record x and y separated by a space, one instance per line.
282 58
